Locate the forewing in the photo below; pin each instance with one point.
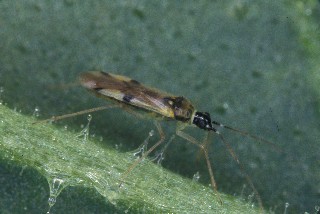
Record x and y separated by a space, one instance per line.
126 90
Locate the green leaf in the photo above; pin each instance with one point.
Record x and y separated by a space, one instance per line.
67 159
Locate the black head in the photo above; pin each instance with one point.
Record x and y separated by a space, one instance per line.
202 120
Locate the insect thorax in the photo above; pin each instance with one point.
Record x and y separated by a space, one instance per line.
181 107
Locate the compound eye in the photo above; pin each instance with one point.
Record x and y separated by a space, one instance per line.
203 124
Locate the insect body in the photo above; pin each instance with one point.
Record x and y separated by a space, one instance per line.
131 92
132 95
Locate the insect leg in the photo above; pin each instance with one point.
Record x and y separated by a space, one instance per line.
235 157
159 157
143 147
192 140
55 118
135 163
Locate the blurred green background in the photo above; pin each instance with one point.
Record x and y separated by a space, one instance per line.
253 65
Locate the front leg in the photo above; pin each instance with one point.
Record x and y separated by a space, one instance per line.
203 147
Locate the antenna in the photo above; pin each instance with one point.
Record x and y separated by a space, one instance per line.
247 134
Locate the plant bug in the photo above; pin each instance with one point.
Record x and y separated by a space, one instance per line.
131 95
